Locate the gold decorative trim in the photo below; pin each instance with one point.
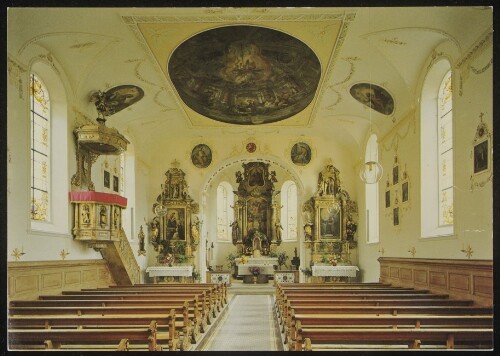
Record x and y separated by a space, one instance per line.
16 72
484 41
347 19
410 119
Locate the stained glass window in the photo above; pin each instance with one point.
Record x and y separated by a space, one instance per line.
289 211
445 151
40 150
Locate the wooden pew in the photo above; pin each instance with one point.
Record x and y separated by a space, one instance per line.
87 339
399 321
219 290
188 322
203 302
211 300
184 326
307 338
222 287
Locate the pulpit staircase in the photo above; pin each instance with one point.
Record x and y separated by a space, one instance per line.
121 261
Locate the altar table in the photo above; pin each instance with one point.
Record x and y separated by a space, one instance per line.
334 271
166 271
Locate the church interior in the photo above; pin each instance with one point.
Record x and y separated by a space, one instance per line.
324 172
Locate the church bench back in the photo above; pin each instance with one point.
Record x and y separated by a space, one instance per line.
405 321
53 338
411 337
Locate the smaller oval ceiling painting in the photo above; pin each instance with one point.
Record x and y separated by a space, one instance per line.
121 97
245 75
374 97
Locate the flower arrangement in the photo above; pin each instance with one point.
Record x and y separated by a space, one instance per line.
282 257
243 259
254 270
307 271
168 259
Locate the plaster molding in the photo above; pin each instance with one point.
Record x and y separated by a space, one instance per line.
346 22
16 71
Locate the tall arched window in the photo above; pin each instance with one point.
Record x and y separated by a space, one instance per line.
371 195
49 177
445 151
436 156
40 149
289 211
225 213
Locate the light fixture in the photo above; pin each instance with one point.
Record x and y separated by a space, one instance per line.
371 171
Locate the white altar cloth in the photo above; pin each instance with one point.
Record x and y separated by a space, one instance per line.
166 271
334 271
263 260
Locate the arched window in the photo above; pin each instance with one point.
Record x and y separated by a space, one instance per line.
40 149
289 211
225 213
445 151
49 177
371 195
436 156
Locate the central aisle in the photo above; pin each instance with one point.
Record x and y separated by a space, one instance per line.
249 324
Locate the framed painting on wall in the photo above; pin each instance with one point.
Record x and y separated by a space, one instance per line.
404 192
396 216
481 160
107 179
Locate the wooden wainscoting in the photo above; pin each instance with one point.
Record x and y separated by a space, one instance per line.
28 280
461 279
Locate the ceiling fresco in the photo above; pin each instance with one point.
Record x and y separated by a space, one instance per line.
245 75
373 96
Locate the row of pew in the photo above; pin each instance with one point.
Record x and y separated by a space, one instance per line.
145 317
329 316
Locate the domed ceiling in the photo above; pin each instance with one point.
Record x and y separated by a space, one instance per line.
245 75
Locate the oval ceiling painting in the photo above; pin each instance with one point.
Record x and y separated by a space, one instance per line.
245 75
374 97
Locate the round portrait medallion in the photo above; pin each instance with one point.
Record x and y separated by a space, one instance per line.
201 156
301 154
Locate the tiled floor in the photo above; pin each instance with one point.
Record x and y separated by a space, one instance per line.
249 324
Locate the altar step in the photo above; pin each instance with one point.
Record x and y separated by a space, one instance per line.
237 287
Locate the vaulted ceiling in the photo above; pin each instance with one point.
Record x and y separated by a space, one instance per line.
102 48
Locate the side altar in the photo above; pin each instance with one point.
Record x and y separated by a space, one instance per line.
174 230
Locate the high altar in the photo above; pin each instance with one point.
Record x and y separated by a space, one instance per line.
256 228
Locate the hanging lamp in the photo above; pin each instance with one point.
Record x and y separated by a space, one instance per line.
371 171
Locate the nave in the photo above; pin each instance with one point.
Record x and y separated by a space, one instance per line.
214 317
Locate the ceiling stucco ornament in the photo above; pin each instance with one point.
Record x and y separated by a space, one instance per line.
245 75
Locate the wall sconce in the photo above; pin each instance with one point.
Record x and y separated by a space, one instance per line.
18 254
413 251
63 254
381 251
468 251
